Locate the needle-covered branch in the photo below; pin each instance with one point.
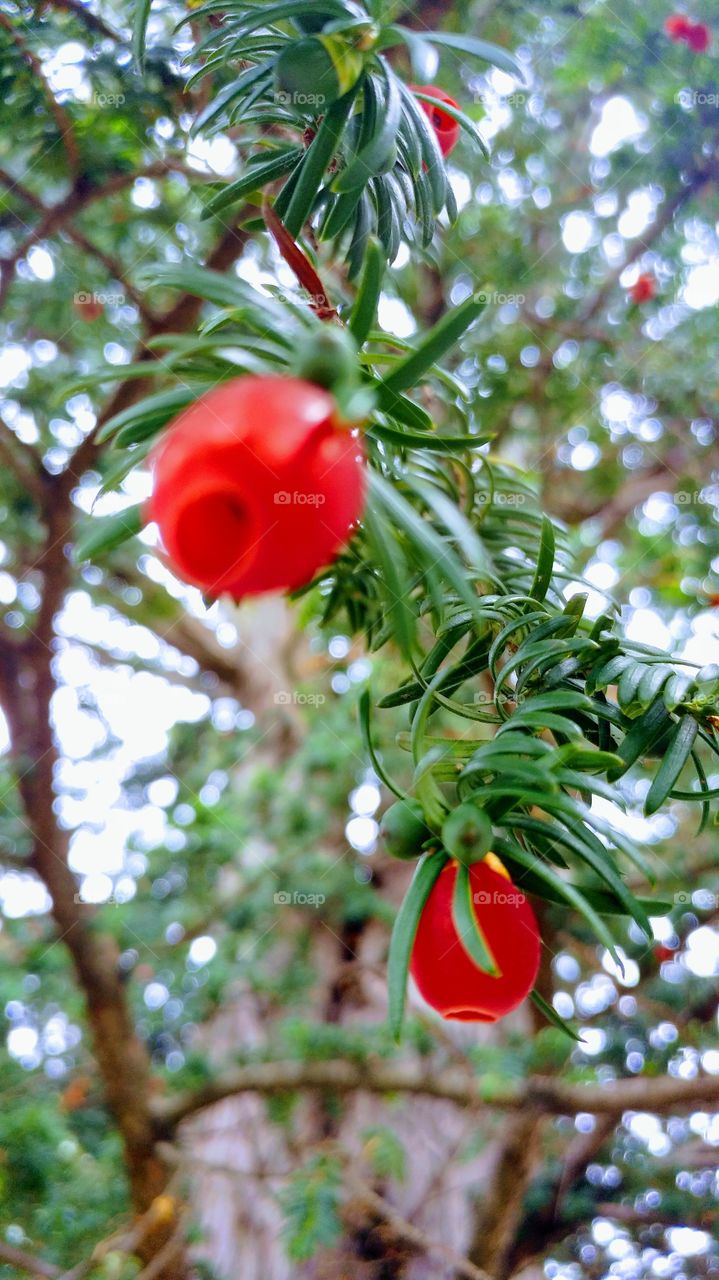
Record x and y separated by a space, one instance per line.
552 1096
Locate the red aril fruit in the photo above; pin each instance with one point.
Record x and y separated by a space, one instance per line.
256 486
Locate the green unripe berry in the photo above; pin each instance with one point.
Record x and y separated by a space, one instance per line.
318 15
327 356
313 20
467 833
317 70
404 830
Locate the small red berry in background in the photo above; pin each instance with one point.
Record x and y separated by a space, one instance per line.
88 307
446 976
256 486
694 34
445 126
699 37
662 953
677 26
643 289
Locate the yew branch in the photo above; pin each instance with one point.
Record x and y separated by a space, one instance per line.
544 1094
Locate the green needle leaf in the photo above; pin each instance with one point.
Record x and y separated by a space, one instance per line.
380 152
550 1013
545 561
104 533
467 925
676 756
323 148
257 178
479 49
139 31
439 340
365 707
140 421
365 307
404 932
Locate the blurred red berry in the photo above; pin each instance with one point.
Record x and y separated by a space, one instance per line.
87 307
662 953
698 37
694 34
445 126
677 27
256 486
444 973
643 289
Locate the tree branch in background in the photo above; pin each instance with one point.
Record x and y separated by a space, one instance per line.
27 685
20 460
27 1262
543 1093
180 317
548 1221
122 1058
92 21
114 270
666 217
612 513
407 1231
58 113
499 1214
78 199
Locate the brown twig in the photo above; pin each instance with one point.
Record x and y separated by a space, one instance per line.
114 269
178 319
89 19
20 461
300 264
80 198
500 1213
409 1232
14 184
28 1263
671 207
57 111
548 1095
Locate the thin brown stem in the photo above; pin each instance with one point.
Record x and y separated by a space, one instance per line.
57 111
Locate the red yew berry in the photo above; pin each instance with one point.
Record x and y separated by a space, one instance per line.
662 953
446 976
445 126
256 486
88 307
698 37
677 27
694 34
643 289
